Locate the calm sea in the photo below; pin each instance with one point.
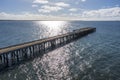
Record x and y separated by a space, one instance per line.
94 57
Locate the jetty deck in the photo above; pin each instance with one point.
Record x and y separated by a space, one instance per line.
16 53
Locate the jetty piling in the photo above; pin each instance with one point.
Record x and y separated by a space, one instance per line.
14 54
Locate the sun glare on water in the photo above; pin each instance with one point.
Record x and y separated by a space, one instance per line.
53 24
54 27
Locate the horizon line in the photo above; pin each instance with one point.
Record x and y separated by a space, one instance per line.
51 20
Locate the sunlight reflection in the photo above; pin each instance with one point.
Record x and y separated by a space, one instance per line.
53 27
53 66
53 24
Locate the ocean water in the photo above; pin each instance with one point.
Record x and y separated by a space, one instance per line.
93 57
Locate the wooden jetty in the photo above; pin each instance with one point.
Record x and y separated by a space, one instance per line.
15 54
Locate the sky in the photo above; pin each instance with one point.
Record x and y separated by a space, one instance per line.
59 9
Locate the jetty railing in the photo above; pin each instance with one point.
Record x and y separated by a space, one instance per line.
15 54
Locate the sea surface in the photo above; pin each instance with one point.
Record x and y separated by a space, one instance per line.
93 57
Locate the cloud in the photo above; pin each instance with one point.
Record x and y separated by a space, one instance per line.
22 16
108 12
62 4
100 14
83 0
73 9
48 9
44 11
41 1
34 5
30 16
